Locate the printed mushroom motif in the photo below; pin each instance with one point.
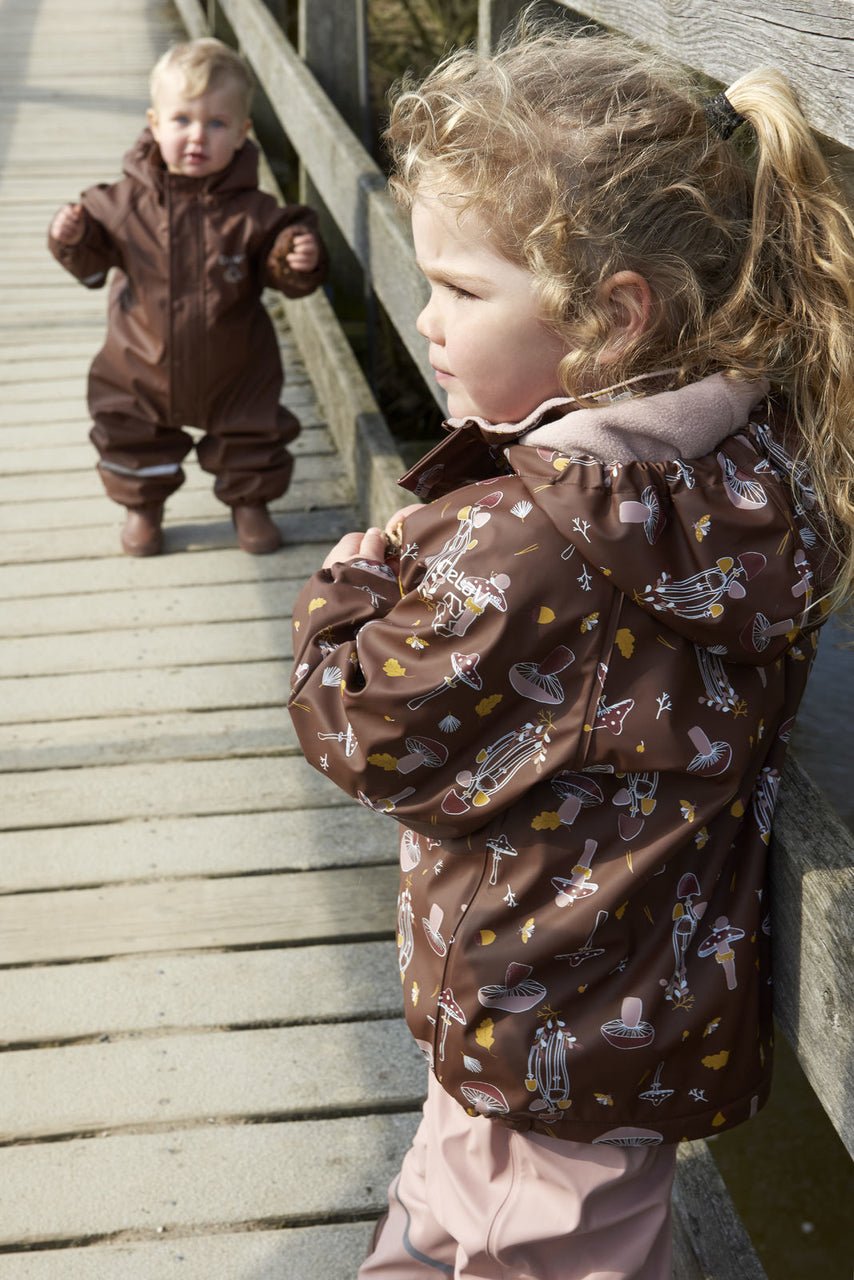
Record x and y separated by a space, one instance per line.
518 994
464 667
758 633
432 926
629 1136
482 592
656 1094
500 847
577 791
712 758
742 491
451 1012
410 851
629 1031
646 512
485 1098
579 885
586 951
718 944
538 680
422 751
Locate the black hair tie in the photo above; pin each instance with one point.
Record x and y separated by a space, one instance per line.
722 117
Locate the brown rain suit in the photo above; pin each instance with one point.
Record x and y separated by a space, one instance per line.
189 342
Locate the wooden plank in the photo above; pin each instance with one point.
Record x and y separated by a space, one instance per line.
327 1251
227 1175
33 547
233 989
288 1072
260 640
70 796
812 895
337 834
710 1240
155 607
810 43
313 906
121 573
75 744
197 503
138 692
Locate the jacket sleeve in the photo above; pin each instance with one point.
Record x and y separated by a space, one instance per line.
90 260
276 274
420 696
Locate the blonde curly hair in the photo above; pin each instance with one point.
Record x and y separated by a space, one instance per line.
204 64
587 155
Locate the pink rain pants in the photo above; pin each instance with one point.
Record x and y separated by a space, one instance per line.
476 1201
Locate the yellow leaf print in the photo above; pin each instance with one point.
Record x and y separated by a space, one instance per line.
393 668
737 809
317 603
486 937
547 820
486 705
621 911
483 1034
625 642
545 615
384 761
716 1060
719 1119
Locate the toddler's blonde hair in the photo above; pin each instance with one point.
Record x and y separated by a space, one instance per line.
587 155
204 64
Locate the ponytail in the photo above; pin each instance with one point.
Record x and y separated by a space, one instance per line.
790 313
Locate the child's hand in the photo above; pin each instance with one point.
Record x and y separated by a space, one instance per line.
69 225
304 251
394 523
355 546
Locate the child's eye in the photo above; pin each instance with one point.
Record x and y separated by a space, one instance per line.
461 293
217 124
182 119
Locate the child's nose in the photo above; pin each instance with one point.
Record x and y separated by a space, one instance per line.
197 130
427 323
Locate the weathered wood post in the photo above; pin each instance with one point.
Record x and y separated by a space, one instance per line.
493 19
332 42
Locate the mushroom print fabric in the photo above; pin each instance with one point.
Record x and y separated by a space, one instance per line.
572 688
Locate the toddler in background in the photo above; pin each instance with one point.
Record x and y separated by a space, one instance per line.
193 243
572 678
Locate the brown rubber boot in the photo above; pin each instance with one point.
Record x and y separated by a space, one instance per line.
257 532
141 535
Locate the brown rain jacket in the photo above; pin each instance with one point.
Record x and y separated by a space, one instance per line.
189 342
574 694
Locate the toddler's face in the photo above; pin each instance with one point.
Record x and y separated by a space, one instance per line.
489 348
197 136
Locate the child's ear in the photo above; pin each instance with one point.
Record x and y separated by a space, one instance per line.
628 298
151 117
247 125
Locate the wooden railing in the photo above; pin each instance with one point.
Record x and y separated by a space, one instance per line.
813 852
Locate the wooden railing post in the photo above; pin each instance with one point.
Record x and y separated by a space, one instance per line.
493 19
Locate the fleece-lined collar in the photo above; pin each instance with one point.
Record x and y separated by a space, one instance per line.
636 427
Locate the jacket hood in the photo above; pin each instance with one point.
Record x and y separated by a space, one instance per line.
645 522
144 163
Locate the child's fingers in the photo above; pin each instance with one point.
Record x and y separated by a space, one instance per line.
399 516
346 548
373 545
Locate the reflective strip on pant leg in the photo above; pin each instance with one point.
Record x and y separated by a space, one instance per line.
410 1247
162 469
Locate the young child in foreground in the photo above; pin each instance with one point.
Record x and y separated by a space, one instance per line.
193 243
573 683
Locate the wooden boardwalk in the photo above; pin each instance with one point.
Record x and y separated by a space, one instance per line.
203 1071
